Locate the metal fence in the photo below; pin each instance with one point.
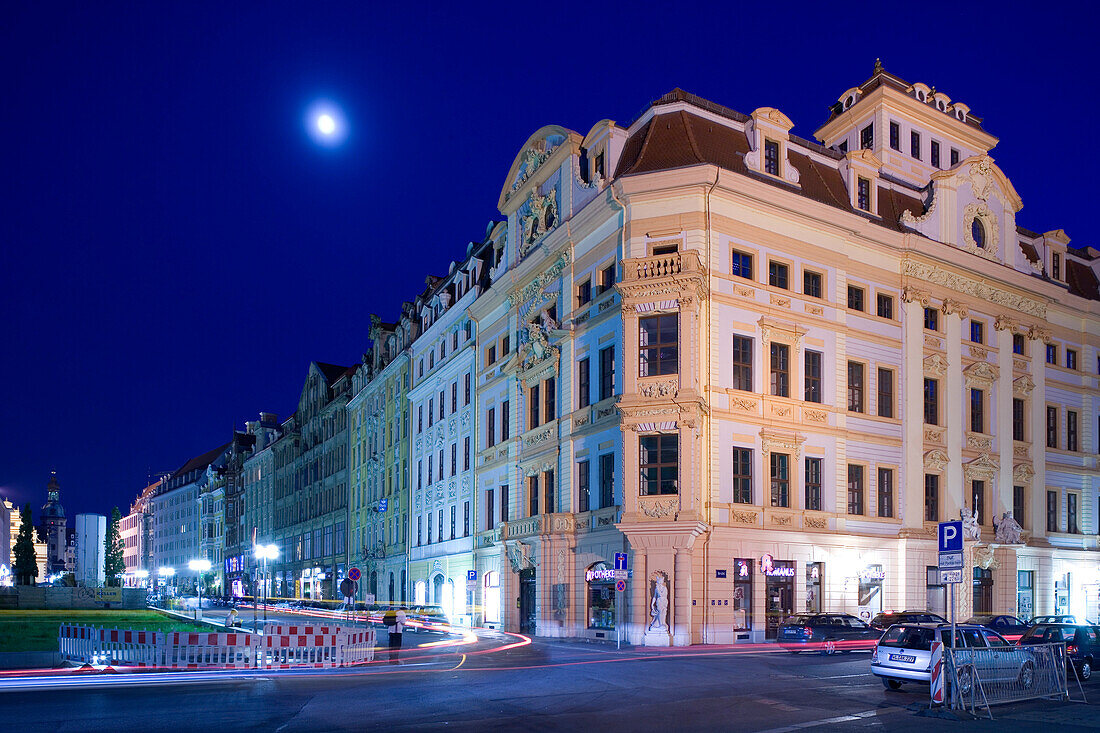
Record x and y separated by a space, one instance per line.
986 676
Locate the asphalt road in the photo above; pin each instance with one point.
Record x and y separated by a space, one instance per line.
548 686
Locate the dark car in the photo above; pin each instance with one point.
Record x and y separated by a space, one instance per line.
884 621
1081 640
1063 619
1009 627
827 633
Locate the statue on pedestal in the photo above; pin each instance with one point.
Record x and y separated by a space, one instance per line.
658 606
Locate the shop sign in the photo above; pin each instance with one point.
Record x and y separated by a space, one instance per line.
744 568
868 574
769 568
604 574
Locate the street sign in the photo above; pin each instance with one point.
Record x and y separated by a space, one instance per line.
620 574
354 574
951 560
951 536
951 576
368 598
383 504
620 561
471 575
620 586
719 573
348 587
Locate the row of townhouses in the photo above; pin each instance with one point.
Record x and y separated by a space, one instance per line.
758 369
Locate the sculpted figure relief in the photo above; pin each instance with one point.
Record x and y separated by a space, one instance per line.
1007 531
658 606
971 529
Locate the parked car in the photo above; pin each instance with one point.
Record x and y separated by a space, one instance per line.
1082 643
904 654
885 620
827 633
1007 626
1063 619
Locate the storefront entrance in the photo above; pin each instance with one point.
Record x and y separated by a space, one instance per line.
815 578
601 598
1061 595
527 601
870 592
778 593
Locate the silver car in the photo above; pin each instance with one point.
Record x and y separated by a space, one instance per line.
904 654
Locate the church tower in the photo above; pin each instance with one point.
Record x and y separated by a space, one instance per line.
53 527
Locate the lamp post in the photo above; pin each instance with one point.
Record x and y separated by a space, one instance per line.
199 566
164 572
263 552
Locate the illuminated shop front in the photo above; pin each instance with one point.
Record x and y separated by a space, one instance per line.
492 599
778 592
601 597
815 583
742 597
870 591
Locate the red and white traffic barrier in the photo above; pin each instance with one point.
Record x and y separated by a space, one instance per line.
936 683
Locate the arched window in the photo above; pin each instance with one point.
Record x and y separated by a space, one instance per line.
391 587
977 232
419 593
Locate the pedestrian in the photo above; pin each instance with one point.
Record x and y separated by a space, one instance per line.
399 626
393 633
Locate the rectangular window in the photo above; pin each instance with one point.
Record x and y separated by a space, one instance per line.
1052 354
780 370
863 193
742 594
429 528
895 136
550 397
420 419
931 319
811 284
977 410
431 412
977 332
431 467
843 147
439 528
1071 359
607 278
855 386
505 345
505 418
886 492
491 356
1072 525
885 306
813 376
607 372
535 408
454 458
931 497
885 393
742 475
771 157
443 402
466 390
931 402
583 497
742 363
584 293
977 500
584 377
466 454
914 144
658 344
420 474
491 427
778 275
954 156
549 506
1071 430
504 503
533 496
855 489
419 530
867 137
855 298
813 484
658 463
1052 427
1018 344
454 397
490 510
1056 266
781 482
1052 511
1018 504
935 154
607 480
466 519
1018 420
741 266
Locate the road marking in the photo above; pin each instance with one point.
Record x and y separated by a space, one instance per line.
842 676
823 721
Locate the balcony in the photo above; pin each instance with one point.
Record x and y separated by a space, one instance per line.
661 266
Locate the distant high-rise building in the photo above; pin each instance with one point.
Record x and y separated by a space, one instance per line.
91 533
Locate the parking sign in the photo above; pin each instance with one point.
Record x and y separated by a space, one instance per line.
951 536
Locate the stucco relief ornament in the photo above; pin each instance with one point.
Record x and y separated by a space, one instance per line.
1007 531
542 216
658 605
971 529
981 178
531 159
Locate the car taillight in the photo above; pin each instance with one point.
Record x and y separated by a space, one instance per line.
874 653
1071 648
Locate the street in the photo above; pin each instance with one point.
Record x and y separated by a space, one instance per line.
501 683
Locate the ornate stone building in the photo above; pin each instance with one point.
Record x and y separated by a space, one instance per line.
257 501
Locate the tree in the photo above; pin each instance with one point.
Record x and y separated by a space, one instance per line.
113 563
25 567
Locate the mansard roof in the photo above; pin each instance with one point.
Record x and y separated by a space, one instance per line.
332 372
679 139
1082 280
201 461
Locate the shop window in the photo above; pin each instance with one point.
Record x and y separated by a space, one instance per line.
742 475
855 489
780 370
658 344
659 463
936 592
1025 594
492 597
813 484
780 478
983 591
815 581
601 597
742 594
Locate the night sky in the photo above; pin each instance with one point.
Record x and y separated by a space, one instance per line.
174 249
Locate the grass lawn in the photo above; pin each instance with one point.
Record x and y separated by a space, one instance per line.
36 631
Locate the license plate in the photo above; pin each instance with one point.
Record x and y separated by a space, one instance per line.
902 658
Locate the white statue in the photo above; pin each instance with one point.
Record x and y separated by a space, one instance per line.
971 529
1008 531
658 607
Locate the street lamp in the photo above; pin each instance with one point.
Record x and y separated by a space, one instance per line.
263 552
142 575
199 566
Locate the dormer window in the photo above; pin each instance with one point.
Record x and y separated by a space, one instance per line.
867 137
599 165
1056 266
863 193
977 232
921 96
849 101
771 157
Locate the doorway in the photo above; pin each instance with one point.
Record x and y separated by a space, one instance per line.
778 597
527 601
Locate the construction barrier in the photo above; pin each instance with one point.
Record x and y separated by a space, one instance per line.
936 683
986 676
279 647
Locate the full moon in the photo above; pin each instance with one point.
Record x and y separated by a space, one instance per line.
326 125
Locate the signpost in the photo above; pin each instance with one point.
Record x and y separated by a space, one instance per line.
950 541
620 561
355 574
620 574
